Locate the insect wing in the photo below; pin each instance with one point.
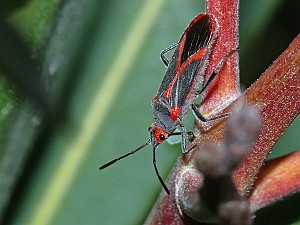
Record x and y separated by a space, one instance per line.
182 75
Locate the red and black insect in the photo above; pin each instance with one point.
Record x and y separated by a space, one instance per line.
179 87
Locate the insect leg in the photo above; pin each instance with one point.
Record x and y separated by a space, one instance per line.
191 133
157 173
216 71
202 118
162 54
189 136
184 139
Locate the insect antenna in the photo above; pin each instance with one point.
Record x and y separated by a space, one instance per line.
157 173
123 156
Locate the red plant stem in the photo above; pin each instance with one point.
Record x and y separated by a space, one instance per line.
277 95
280 177
225 88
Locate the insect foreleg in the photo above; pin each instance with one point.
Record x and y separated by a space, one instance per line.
162 54
184 139
216 71
191 133
200 117
157 173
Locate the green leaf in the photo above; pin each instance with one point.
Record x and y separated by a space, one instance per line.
7 7
282 212
20 119
20 126
19 67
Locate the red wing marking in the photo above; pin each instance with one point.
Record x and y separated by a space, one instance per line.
168 92
197 56
180 51
155 99
180 68
174 112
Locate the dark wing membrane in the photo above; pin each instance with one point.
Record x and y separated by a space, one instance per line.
179 80
183 84
193 56
197 36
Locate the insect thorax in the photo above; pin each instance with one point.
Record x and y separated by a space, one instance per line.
162 117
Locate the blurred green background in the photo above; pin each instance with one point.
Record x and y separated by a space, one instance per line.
92 68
